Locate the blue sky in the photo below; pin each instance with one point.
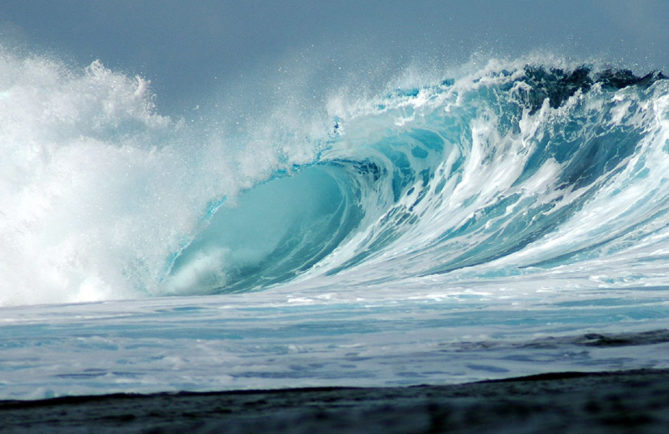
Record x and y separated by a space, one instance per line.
189 48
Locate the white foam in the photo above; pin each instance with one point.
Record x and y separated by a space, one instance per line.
98 189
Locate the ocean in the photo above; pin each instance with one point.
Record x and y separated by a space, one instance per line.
506 216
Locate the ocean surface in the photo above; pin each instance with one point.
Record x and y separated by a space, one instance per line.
511 218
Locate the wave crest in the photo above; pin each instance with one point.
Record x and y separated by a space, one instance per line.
512 170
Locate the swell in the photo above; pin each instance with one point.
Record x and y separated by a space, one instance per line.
520 167
507 170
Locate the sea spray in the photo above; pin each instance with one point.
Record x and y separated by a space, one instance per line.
97 188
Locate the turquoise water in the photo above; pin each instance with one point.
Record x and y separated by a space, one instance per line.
508 220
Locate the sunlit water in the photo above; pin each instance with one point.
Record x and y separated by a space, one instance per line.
511 220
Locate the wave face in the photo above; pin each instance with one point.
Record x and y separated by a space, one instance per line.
510 173
505 172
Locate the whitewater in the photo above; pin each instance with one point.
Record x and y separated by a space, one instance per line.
502 220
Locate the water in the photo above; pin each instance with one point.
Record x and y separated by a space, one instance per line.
510 219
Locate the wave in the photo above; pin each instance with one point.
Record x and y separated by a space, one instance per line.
530 168
511 170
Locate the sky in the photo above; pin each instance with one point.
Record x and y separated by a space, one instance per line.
193 50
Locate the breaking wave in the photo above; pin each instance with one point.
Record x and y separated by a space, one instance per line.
511 170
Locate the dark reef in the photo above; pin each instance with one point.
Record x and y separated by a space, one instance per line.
605 402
